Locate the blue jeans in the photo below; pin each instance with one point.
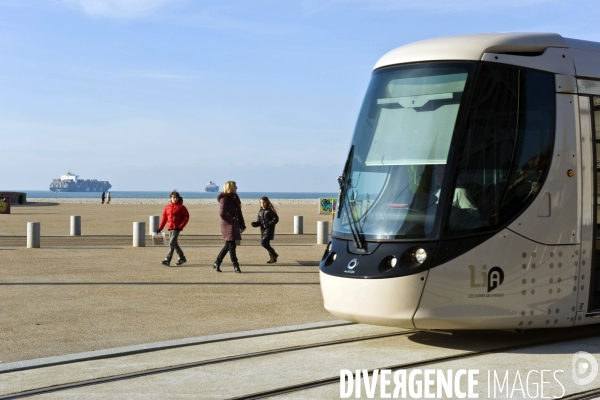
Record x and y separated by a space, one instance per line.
266 243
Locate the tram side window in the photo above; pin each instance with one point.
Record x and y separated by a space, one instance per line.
506 146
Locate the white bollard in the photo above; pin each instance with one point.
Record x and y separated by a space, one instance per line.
153 224
75 225
139 236
298 224
33 235
322 232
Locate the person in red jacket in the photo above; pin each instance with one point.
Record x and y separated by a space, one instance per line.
175 216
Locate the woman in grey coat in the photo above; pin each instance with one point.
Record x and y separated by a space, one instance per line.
232 224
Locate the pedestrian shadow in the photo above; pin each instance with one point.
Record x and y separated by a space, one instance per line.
39 213
263 265
281 265
229 269
293 265
279 272
36 204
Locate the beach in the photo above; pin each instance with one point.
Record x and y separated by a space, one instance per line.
96 291
159 201
117 217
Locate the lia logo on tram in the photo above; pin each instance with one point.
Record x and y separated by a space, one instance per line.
492 279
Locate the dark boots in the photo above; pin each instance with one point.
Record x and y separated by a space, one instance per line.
273 258
217 266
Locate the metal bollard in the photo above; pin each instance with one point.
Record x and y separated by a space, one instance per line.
33 235
322 232
75 225
139 236
298 224
153 224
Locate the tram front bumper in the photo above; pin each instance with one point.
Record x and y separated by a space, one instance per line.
386 301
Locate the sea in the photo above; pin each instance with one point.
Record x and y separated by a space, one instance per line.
46 194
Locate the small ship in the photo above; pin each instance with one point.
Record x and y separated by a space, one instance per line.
211 187
71 183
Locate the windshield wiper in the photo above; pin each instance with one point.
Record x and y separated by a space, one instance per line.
359 240
342 181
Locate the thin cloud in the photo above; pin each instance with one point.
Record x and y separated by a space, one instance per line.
162 75
226 16
119 9
224 19
436 6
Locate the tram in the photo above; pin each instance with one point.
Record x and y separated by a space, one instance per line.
469 197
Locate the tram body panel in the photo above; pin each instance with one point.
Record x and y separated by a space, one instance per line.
588 203
587 86
584 319
536 287
586 61
387 302
470 47
557 60
565 83
553 216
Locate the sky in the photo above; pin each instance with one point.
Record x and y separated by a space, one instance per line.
165 94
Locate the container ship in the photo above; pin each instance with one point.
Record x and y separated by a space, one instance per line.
71 183
211 186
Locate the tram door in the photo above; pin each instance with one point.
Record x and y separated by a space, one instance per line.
595 100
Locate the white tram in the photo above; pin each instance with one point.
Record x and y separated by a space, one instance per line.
469 197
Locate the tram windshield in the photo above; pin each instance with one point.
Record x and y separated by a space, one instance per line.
401 145
398 178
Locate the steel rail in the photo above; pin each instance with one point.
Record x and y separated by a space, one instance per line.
332 380
162 370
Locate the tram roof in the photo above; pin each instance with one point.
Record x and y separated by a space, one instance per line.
584 55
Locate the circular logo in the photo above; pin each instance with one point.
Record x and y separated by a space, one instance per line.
353 263
582 362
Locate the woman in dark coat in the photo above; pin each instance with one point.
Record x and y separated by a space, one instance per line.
267 219
232 224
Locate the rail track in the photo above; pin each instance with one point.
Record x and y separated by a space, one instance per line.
252 373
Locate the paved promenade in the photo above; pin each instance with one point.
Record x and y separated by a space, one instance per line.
91 317
78 294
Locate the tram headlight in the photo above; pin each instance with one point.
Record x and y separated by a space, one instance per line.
330 259
420 255
387 264
328 256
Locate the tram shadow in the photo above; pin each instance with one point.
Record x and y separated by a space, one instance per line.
479 340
